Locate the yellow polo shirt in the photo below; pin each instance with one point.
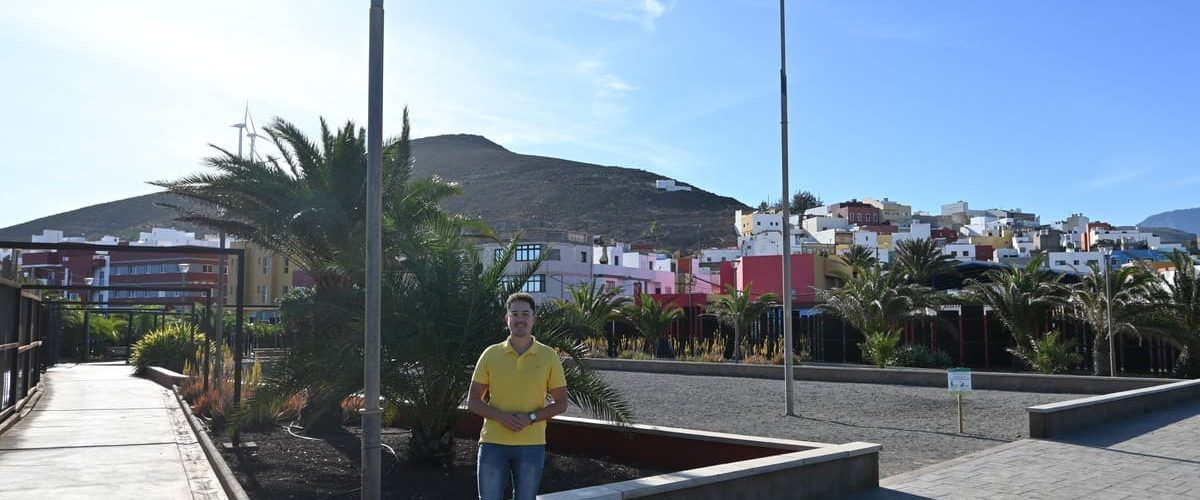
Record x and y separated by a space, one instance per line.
517 384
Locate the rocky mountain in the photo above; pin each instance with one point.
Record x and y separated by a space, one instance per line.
1187 219
508 190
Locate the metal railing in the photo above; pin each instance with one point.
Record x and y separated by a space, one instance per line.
22 355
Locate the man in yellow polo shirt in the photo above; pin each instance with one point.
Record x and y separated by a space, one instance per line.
515 375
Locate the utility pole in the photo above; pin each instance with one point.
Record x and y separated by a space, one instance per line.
787 222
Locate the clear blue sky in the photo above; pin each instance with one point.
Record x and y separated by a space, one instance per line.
1053 107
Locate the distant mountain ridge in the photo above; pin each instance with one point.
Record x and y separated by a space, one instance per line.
1187 219
509 191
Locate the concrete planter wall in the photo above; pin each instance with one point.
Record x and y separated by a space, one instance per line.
997 381
1055 419
712 464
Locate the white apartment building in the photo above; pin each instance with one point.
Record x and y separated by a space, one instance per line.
916 231
817 224
574 263
962 252
1125 236
1073 262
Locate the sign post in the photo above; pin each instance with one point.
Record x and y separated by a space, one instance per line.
959 381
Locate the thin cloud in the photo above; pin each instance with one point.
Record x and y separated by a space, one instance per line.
642 12
1110 179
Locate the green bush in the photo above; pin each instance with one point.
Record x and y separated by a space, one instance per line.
169 347
1050 354
920 356
881 348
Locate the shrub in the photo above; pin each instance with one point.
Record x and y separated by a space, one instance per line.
1049 354
170 347
922 357
880 348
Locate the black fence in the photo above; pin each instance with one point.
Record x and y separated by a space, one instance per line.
21 346
965 333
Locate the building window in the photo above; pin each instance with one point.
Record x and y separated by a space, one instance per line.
616 260
287 265
536 283
266 264
583 257
206 268
526 253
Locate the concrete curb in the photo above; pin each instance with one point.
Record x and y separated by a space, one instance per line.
233 489
922 377
22 408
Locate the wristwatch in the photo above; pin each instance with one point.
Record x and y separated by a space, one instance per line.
532 417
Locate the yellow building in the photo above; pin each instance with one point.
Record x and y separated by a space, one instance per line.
268 275
891 211
994 240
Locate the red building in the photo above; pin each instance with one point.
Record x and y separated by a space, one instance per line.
117 268
763 274
943 235
857 212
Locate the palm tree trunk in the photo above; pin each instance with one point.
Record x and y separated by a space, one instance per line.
737 343
1100 354
433 446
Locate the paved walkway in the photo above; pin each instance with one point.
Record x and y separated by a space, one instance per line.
1155 456
100 433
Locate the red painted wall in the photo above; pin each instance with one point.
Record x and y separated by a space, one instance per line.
765 274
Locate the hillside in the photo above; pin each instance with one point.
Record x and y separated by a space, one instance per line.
1187 219
123 218
507 190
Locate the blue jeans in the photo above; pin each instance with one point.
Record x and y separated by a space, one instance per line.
498 462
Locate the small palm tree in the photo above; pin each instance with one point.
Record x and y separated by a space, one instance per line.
599 307
651 319
921 262
739 310
1022 297
1130 288
876 302
859 258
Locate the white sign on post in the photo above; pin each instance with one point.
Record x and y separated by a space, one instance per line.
959 379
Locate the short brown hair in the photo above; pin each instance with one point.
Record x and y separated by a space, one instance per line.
520 297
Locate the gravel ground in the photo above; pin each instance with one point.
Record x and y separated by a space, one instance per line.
917 426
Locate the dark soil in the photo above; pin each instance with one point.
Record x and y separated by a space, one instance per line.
285 466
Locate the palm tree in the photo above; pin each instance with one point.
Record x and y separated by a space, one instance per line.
876 302
310 205
739 310
1177 313
599 307
310 202
651 319
1130 288
922 262
858 258
1022 297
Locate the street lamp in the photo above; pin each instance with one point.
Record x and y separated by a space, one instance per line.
1112 352
87 334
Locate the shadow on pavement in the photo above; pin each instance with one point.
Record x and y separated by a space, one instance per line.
883 494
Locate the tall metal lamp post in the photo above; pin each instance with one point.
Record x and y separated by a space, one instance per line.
1112 343
787 223
87 334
